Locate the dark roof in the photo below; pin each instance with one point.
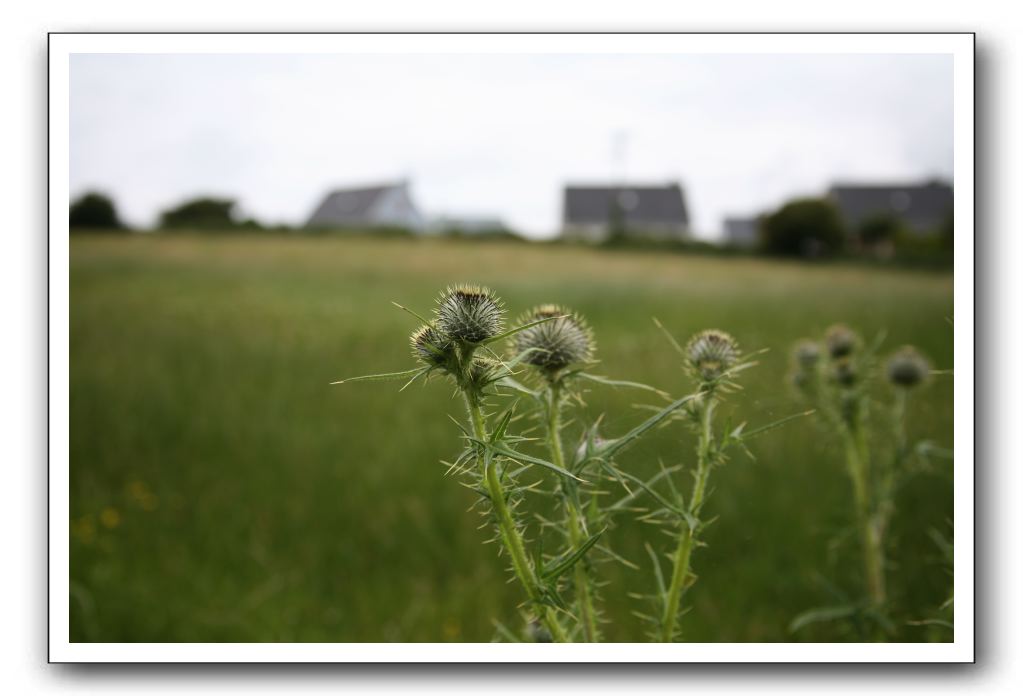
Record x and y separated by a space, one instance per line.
348 205
921 206
637 204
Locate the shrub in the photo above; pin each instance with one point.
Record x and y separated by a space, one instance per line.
94 210
808 227
200 213
880 229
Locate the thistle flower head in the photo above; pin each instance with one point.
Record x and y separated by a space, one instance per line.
840 340
469 313
483 372
431 347
711 354
907 367
555 344
806 354
843 372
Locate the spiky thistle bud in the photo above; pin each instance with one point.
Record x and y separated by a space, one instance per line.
483 372
711 354
806 354
470 313
840 340
843 372
555 344
431 346
907 367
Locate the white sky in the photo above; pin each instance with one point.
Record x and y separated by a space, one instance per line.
499 135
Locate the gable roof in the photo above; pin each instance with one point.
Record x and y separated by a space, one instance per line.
349 206
637 204
921 206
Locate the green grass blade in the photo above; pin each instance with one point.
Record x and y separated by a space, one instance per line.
820 615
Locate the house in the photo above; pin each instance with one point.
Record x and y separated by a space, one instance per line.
595 213
388 205
921 207
742 232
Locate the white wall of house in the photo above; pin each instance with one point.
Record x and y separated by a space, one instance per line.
395 207
599 232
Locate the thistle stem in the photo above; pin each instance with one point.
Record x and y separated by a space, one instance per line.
687 536
510 536
575 523
858 463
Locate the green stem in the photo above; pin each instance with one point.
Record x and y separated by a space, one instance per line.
858 462
510 536
575 521
687 536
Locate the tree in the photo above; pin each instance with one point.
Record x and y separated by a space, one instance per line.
93 210
880 229
946 232
805 227
200 213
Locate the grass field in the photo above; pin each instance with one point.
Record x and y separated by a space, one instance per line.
222 491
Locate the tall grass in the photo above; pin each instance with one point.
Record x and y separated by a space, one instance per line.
252 503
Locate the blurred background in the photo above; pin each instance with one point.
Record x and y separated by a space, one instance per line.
241 223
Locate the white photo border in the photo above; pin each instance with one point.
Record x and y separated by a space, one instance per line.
61 47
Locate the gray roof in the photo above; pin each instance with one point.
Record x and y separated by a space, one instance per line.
638 204
922 206
348 205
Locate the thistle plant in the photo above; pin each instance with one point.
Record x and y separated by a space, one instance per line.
557 346
713 361
838 374
552 349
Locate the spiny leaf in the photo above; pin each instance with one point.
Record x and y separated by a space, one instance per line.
612 447
562 566
508 381
671 339
654 494
617 557
649 484
502 425
737 434
517 329
406 309
658 575
414 378
621 383
385 376
520 457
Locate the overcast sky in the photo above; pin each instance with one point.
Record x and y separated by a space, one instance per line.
499 135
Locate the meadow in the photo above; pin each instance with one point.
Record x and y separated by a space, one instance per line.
221 490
